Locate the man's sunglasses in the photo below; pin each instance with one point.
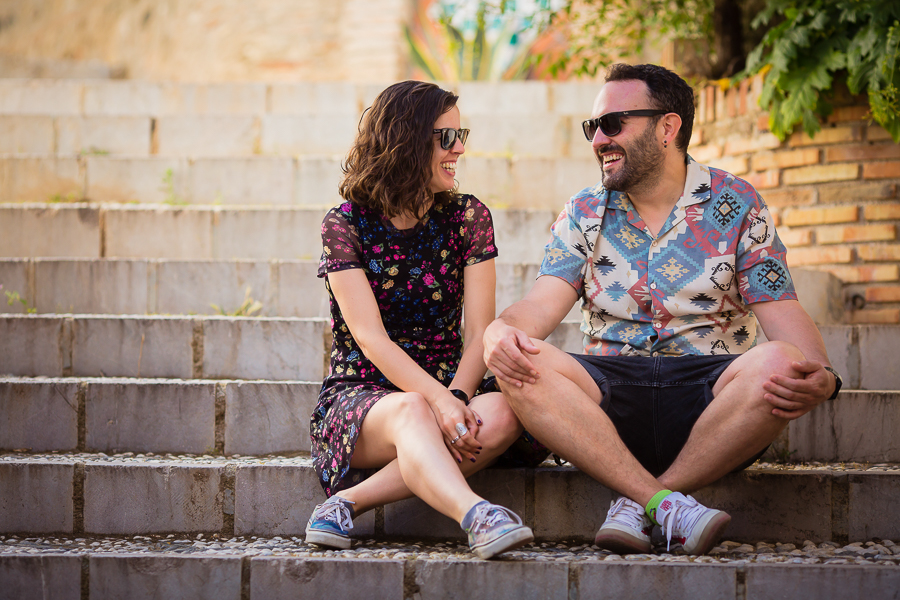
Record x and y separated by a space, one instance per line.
450 135
611 123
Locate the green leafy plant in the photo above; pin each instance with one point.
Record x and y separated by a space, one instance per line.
453 40
12 297
819 42
168 188
248 307
606 31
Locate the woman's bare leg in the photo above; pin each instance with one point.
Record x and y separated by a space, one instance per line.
433 473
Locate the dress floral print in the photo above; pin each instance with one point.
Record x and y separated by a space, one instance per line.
416 276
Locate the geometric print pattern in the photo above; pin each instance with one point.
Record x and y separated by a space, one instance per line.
686 289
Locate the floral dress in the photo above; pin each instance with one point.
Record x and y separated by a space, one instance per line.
416 276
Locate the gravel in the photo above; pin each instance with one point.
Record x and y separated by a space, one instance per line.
872 552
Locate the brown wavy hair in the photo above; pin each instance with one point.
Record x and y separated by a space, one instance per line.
389 166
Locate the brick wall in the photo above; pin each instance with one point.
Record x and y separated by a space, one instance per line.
834 196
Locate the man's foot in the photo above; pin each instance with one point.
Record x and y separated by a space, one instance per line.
495 529
330 523
627 528
691 524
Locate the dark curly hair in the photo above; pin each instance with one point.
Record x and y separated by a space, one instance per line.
668 92
389 166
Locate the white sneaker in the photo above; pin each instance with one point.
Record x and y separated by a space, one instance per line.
627 528
691 524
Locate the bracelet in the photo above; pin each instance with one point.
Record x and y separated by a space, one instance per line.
461 395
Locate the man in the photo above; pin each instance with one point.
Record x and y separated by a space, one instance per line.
671 260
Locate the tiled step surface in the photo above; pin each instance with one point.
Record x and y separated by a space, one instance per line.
280 348
267 417
176 118
209 232
430 572
164 347
286 179
525 577
138 494
285 288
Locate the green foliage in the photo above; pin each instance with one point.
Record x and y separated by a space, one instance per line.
168 188
248 307
14 297
611 30
816 41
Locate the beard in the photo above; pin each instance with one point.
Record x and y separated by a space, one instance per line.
640 167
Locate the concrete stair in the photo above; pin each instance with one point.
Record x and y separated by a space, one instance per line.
130 407
234 417
531 577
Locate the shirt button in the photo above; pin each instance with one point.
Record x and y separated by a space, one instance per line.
658 325
654 243
653 286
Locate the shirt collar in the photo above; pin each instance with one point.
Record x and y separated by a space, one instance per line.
696 189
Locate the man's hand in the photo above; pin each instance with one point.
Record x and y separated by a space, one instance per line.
506 351
793 397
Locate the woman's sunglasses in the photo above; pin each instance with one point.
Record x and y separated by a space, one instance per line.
450 135
611 123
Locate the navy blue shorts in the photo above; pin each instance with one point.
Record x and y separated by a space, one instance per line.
655 401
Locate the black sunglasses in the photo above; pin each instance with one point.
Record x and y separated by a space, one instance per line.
611 123
450 135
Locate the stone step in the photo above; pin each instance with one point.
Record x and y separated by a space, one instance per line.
290 348
157 568
267 417
434 573
284 288
87 230
174 119
142 494
200 347
275 179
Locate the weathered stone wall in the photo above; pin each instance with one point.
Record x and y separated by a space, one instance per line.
834 196
212 40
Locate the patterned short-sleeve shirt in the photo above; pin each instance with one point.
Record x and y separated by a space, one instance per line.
683 291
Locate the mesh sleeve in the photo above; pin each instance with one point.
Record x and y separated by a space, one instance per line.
479 226
340 242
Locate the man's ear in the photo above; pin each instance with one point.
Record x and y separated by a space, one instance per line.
671 123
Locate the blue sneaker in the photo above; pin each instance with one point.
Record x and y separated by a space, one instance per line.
494 529
330 523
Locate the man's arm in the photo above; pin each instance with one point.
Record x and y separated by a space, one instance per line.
787 321
507 341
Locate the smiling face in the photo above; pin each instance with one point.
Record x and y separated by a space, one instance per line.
633 157
443 162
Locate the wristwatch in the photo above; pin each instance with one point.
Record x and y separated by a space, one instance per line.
838 382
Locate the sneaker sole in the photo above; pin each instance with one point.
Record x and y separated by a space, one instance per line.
621 543
711 535
323 538
508 541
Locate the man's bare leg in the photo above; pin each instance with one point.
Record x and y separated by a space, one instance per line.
562 410
738 424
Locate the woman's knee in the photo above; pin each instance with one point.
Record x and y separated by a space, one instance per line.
411 407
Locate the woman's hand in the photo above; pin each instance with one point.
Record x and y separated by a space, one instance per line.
449 411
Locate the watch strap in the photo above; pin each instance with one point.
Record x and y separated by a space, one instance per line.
838 382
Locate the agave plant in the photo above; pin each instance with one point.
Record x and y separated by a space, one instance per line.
453 40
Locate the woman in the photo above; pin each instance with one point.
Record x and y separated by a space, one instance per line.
402 257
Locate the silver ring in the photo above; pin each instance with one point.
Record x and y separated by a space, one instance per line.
461 429
456 439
